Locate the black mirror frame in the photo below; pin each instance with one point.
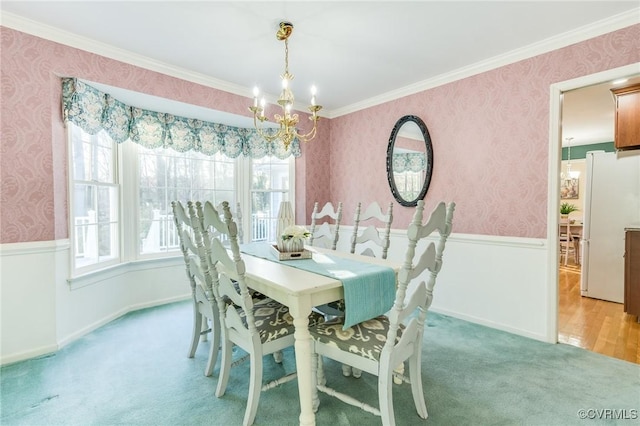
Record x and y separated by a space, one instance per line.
429 158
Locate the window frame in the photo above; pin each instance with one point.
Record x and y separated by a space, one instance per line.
134 162
126 175
247 167
71 183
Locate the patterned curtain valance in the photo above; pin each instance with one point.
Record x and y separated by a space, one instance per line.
405 160
93 110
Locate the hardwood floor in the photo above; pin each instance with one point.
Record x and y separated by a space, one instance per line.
593 324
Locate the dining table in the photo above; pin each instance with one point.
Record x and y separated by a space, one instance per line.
300 290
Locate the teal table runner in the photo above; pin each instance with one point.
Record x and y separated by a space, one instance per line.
369 290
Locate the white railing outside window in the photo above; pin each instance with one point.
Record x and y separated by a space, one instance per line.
162 235
85 236
260 226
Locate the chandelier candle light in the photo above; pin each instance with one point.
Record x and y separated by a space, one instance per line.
571 174
287 131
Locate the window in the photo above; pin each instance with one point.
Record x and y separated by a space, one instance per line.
409 183
121 195
165 175
270 185
95 198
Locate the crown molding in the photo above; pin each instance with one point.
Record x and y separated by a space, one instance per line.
586 32
583 33
57 35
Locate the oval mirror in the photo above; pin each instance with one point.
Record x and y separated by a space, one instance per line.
409 160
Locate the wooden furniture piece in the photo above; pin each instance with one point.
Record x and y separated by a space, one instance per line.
258 327
627 121
238 219
567 242
365 242
301 290
205 311
378 345
321 234
371 236
632 271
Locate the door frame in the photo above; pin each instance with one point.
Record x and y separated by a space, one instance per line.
554 165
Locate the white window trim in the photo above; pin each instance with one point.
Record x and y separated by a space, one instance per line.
89 269
126 173
243 181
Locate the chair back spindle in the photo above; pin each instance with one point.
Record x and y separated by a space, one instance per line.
322 234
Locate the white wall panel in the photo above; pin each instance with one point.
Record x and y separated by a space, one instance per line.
42 311
500 282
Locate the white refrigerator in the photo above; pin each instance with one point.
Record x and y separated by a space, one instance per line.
612 202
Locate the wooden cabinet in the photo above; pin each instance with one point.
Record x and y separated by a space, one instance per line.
632 271
627 125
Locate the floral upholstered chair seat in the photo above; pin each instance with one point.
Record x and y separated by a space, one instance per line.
366 338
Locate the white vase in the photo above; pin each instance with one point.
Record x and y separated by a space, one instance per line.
291 245
285 219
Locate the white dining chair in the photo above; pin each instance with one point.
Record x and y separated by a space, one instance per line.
259 327
237 214
369 242
365 240
378 345
205 312
206 322
325 226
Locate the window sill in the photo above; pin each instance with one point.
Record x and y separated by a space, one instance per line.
96 277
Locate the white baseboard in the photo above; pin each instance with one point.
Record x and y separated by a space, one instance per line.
491 324
32 353
115 315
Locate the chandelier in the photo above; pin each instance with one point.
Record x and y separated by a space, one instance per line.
287 121
570 173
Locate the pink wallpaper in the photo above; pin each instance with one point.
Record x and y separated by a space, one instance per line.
33 156
483 129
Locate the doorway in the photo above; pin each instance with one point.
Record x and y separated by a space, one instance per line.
591 324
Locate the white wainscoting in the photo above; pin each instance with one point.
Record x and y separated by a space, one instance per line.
500 282
42 312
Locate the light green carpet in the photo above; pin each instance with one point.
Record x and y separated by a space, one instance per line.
134 371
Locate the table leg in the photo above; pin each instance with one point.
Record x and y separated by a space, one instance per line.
300 313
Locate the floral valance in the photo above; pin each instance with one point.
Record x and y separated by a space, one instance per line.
93 110
405 160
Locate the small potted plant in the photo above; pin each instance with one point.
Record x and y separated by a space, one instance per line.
566 209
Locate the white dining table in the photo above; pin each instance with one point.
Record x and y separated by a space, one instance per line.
301 290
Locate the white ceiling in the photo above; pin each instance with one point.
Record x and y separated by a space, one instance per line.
357 53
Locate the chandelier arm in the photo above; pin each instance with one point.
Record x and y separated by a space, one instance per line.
308 136
260 131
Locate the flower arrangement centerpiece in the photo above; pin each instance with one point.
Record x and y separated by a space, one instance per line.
292 238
